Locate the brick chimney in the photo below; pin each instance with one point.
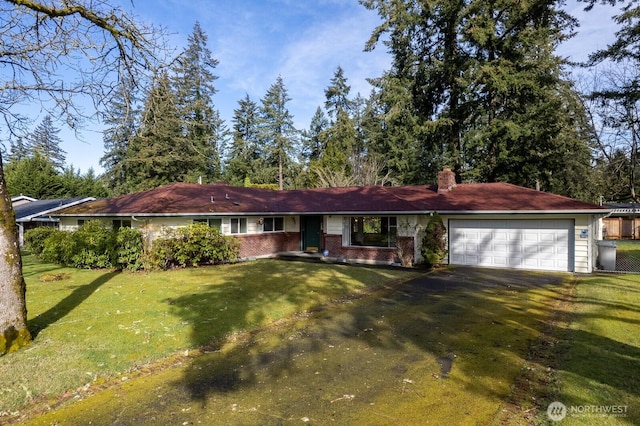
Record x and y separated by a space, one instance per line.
446 180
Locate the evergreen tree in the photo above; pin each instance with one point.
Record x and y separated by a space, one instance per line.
314 139
35 177
616 102
158 154
45 141
626 46
18 150
203 128
474 86
244 151
75 184
337 95
340 136
277 132
121 120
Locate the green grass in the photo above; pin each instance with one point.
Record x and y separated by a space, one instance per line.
601 357
95 324
628 255
287 342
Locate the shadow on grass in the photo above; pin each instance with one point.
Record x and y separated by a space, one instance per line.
423 313
68 304
480 325
603 361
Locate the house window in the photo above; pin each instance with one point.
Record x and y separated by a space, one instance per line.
273 224
80 222
373 231
121 223
213 223
238 225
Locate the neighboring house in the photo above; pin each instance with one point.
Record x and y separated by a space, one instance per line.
488 224
36 213
623 223
21 199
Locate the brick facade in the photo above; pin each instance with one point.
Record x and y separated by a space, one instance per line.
256 245
333 243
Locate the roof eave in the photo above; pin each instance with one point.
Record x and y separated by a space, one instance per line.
52 210
518 212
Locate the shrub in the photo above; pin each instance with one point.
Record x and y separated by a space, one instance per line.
434 247
94 246
59 247
34 238
129 249
193 245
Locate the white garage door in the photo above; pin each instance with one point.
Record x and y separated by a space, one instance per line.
525 244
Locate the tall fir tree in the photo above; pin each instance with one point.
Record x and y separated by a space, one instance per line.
475 86
193 83
122 120
340 136
18 150
337 95
44 140
277 131
244 150
314 139
158 154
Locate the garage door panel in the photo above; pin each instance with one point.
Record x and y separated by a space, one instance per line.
527 244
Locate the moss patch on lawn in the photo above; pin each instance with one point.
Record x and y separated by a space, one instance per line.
444 349
95 325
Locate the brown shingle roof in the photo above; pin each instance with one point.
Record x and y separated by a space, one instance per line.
192 199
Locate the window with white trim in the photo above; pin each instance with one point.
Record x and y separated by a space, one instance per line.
373 231
273 224
238 225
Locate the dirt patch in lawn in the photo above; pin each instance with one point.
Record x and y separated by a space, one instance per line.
445 347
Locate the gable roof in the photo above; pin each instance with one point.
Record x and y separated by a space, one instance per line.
33 210
193 199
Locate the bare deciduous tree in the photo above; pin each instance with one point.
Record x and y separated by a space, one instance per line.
57 54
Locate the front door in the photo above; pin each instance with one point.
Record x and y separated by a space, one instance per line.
311 233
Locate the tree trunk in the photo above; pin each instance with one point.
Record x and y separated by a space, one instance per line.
14 333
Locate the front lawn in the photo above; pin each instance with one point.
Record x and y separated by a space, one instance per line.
598 375
90 325
272 342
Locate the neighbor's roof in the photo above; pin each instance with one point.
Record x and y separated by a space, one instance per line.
624 208
39 209
194 199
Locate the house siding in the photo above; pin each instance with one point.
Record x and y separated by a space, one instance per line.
256 243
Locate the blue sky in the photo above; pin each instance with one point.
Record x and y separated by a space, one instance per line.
304 41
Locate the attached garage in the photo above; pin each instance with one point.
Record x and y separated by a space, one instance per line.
545 244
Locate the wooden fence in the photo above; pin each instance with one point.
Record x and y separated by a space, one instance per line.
621 228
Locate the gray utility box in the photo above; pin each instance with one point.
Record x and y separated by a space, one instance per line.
607 254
